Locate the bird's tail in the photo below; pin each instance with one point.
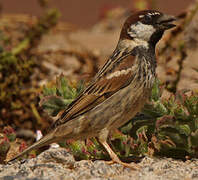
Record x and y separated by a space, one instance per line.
48 139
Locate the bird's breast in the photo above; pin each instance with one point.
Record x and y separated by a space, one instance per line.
119 108
124 104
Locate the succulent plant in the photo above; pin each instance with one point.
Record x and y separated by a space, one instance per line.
17 65
4 146
58 97
6 137
167 127
10 133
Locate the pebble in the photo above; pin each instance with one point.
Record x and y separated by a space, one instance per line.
57 162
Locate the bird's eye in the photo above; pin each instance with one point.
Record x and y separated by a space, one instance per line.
147 18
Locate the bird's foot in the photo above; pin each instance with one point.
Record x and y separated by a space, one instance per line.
115 158
132 166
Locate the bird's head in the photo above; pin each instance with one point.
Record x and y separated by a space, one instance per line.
146 27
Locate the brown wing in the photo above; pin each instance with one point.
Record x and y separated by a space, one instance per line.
115 77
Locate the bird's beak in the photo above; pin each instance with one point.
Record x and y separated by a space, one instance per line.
165 21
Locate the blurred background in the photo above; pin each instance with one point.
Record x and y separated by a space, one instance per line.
88 12
48 47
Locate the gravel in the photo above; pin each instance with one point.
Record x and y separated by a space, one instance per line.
58 163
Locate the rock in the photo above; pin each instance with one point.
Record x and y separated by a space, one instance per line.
60 164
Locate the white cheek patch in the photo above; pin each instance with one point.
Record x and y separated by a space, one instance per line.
141 31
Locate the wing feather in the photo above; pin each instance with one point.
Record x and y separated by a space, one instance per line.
98 91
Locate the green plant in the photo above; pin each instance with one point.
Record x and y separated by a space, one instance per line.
58 97
17 63
6 137
167 127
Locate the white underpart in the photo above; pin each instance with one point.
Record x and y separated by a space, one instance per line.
140 31
119 73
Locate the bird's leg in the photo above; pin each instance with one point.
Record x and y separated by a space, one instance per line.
114 158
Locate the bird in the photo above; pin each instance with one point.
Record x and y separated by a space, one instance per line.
120 88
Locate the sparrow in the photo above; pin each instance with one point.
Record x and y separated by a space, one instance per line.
119 90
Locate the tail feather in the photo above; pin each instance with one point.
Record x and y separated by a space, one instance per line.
48 139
